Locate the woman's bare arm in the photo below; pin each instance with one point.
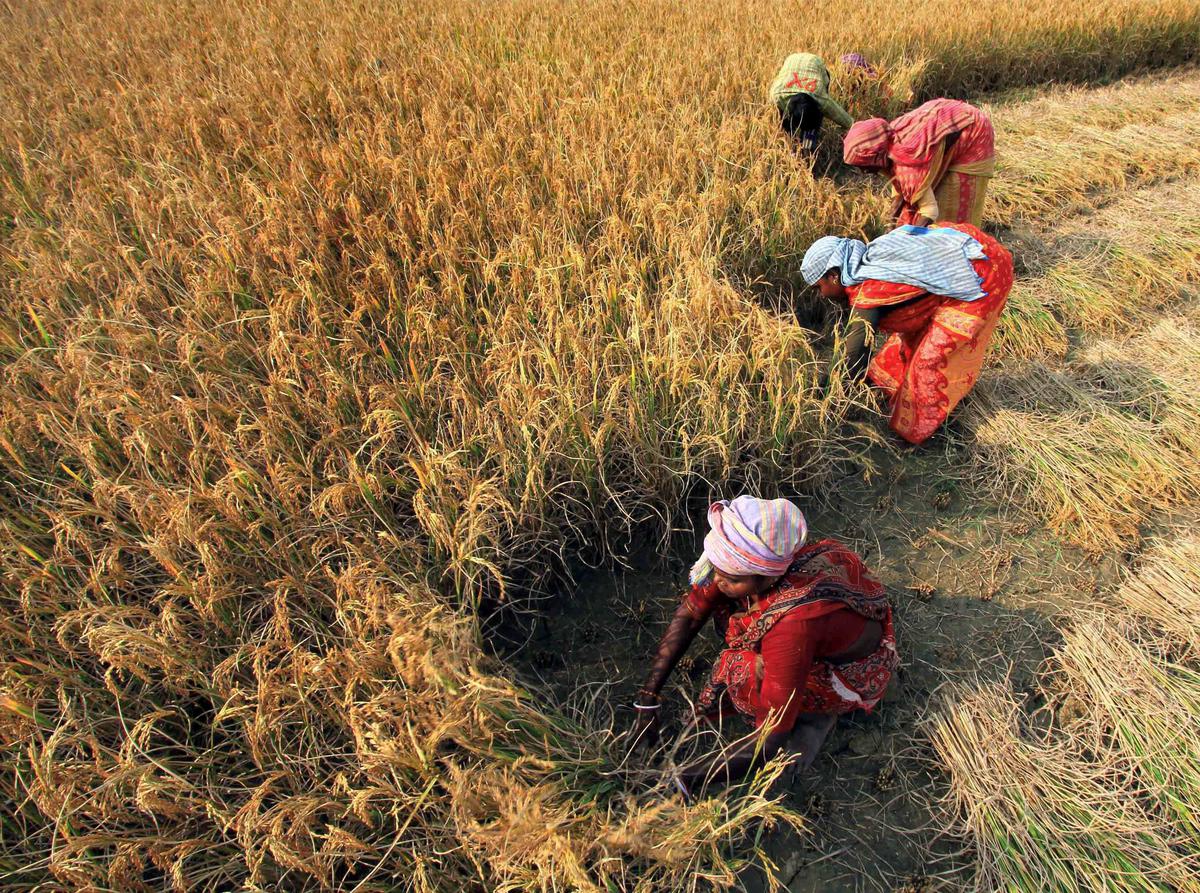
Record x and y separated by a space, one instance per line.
675 641
860 332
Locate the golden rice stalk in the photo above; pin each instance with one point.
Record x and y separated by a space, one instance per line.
1040 814
1147 705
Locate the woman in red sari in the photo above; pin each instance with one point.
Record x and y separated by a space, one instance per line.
808 633
938 292
939 157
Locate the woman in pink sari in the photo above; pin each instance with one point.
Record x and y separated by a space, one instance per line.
939 157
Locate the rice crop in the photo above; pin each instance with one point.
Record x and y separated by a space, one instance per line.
1090 466
374 750
1146 704
326 326
1164 590
1041 815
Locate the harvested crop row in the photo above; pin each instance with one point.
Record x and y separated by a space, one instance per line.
1085 464
1101 444
1096 444
1041 815
1116 269
1071 147
1102 272
1117 777
1165 590
1144 705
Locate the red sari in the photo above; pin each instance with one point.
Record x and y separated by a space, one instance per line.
937 344
943 183
824 579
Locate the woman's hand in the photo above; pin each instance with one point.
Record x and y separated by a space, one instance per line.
646 726
897 207
647 729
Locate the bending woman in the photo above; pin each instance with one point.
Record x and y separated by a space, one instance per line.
808 634
939 156
938 292
801 93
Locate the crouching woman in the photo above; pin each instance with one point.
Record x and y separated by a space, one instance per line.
808 635
938 292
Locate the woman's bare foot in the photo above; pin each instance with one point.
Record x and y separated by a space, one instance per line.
809 734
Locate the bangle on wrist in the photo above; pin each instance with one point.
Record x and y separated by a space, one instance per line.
637 706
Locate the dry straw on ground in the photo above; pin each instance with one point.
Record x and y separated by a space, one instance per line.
1165 589
1144 705
1104 792
1097 441
1070 145
1086 464
1042 815
326 322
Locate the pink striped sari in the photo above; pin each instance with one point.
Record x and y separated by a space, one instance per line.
915 146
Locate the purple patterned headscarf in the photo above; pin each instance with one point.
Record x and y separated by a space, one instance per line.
751 536
859 61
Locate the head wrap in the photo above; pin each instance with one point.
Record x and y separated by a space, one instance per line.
867 142
859 61
829 252
936 259
751 536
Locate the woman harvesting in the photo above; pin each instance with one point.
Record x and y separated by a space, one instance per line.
808 634
938 292
801 93
939 156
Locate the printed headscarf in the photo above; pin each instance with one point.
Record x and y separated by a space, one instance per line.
751 536
936 259
858 61
830 252
867 143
